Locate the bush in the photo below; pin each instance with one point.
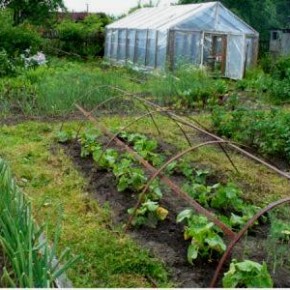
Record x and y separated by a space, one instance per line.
16 39
280 90
256 80
269 132
281 70
85 38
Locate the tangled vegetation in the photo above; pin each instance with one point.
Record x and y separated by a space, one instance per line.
267 131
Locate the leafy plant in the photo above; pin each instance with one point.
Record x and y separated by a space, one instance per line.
227 196
128 176
268 131
248 274
280 230
144 146
149 214
89 144
201 193
65 136
105 159
204 235
6 66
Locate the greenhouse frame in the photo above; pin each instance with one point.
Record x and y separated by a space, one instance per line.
205 34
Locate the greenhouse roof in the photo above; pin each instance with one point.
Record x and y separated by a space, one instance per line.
210 16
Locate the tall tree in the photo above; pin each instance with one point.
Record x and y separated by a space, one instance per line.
33 10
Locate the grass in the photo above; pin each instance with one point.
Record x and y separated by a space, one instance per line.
54 88
109 259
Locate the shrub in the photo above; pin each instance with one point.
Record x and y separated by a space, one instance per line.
85 38
16 39
268 131
280 91
281 70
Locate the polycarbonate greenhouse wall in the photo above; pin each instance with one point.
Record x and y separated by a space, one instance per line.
201 34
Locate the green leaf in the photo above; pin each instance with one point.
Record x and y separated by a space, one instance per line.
192 253
248 274
185 214
216 243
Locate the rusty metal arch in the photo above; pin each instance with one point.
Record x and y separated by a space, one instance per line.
150 113
196 205
175 188
231 144
240 235
118 97
144 103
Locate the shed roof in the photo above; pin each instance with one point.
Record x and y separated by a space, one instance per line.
211 16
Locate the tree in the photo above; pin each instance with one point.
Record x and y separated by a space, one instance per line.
35 11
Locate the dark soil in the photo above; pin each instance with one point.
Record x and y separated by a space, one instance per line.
166 241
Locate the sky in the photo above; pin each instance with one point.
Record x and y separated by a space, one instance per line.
112 7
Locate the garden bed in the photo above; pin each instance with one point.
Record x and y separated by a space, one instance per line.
166 240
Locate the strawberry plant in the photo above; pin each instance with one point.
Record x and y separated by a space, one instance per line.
247 274
204 235
148 214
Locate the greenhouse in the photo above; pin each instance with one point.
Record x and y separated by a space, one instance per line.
205 34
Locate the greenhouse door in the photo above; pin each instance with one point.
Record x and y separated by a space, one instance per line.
214 52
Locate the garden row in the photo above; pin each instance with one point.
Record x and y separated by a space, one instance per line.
206 240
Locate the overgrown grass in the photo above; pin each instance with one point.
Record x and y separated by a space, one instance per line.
53 89
188 87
